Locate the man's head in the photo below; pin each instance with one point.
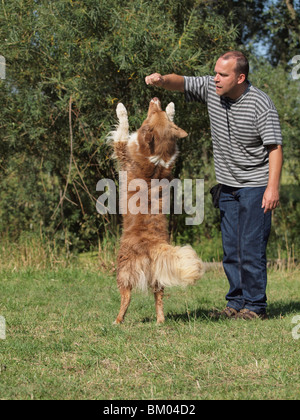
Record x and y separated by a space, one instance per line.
231 71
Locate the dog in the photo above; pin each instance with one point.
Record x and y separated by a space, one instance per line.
146 258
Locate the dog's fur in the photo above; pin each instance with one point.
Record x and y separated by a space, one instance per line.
146 259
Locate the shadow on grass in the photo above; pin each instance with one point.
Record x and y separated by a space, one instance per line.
202 314
283 308
275 310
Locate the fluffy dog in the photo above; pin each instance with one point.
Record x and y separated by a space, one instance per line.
146 258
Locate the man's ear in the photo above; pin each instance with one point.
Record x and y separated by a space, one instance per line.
242 78
177 132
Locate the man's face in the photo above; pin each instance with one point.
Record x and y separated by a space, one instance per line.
227 80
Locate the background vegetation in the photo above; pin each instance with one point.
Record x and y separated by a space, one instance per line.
68 65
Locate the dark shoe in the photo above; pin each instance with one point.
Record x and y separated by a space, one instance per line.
249 315
225 314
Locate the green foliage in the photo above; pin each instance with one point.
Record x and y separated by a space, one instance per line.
68 65
283 27
284 91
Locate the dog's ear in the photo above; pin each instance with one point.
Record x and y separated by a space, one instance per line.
170 111
177 132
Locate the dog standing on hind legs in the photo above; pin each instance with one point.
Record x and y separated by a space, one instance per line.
146 258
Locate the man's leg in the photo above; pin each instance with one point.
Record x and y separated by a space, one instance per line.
230 227
254 232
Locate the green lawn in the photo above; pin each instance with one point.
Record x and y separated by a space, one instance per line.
61 344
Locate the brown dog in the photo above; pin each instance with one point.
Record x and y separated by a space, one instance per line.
146 258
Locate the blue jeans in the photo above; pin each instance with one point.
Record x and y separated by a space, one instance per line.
245 232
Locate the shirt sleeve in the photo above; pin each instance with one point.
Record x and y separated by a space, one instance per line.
196 88
268 126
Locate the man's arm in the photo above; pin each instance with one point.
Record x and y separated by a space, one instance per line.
168 82
271 196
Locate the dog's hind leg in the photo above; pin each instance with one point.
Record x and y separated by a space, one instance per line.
158 294
125 301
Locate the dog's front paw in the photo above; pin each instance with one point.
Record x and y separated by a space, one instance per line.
121 112
170 111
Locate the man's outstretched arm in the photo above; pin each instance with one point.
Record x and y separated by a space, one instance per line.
168 82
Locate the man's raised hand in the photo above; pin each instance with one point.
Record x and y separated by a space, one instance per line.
155 79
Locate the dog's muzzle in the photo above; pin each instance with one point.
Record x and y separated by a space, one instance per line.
155 103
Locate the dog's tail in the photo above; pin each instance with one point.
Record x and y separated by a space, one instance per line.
175 266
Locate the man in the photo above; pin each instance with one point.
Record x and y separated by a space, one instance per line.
248 158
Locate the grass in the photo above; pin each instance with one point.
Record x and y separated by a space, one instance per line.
61 344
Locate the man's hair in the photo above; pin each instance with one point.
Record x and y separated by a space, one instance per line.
242 64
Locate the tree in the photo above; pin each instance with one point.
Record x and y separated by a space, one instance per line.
68 65
283 30
70 62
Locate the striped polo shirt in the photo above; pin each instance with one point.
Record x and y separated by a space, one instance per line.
241 129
